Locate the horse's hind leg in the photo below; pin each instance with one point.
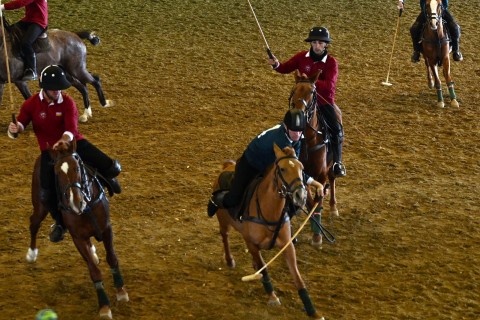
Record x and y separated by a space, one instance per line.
24 89
101 97
112 261
38 215
87 113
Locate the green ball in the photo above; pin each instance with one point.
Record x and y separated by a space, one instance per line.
46 314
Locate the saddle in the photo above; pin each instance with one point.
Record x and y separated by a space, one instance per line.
225 182
42 44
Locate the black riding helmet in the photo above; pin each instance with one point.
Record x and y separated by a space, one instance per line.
54 78
320 34
294 120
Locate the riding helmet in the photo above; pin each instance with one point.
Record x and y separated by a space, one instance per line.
295 120
320 34
53 77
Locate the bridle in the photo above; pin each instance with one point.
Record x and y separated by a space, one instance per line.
285 188
84 185
434 15
309 106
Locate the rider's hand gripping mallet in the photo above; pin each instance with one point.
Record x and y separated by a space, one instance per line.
269 52
386 83
257 275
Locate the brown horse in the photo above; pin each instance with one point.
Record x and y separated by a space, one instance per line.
264 222
66 49
436 49
314 156
85 211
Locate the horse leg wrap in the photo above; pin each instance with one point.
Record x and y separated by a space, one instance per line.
316 221
117 277
439 95
101 294
267 285
307 303
451 90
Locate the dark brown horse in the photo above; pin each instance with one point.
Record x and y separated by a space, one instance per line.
314 156
436 49
66 49
85 211
266 224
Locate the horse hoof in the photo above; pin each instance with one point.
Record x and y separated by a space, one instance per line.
86 115
334 211
274 302
454 103
440 104
109 103
105 312
32 255
122 295
317 241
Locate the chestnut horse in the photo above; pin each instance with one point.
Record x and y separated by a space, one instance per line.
85 211
66 49
436 49
314 156
264 222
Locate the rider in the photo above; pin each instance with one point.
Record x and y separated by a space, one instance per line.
53 115
416 30
33 25
309 62
259 155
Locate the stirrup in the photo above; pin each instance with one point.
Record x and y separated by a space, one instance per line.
457 56
415 57
215 202
56 235
339 170
29 74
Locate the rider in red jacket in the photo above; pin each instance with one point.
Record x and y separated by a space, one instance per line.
308 62
33 24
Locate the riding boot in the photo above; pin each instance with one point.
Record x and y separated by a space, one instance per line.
30 72
110 175
454 30
339 169
57 229
416 35
216 202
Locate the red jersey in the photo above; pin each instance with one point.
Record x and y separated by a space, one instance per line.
35 10
50 121
327 80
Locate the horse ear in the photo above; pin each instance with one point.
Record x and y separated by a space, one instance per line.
315 76
278 152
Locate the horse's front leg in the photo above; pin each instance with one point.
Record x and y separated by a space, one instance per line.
429 75
96 276
291 258
112 261
257 264
450 83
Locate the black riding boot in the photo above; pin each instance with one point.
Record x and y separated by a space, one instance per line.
416 34
30 72
454 30
339 169
58 229
216 202
111 176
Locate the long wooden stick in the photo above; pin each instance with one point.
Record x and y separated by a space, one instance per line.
9 81
257 274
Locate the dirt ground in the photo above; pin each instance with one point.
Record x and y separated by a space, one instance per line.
192 87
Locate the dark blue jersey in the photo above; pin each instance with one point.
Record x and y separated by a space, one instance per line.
259 152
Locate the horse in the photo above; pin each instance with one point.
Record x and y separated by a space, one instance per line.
66 49
264 221
436 49
85 211
314 156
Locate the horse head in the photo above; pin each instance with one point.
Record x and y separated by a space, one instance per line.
303 95
289 175
71 178
433 10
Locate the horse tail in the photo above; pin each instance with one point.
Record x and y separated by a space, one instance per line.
90 36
